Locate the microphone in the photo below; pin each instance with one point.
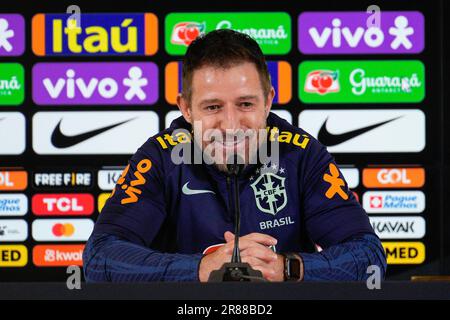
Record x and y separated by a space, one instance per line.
235 270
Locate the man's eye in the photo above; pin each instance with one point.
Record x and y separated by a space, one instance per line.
246 104
213 107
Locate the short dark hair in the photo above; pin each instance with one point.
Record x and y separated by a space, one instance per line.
223 48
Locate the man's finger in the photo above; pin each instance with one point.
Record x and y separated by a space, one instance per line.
259 251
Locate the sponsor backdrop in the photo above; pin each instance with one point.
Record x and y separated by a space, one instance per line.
79 95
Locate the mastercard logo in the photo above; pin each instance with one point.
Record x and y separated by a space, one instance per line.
63 229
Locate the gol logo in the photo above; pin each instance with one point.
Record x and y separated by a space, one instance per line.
63 229
13 180
394 177
142 167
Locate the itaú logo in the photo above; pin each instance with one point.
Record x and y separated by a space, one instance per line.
63 229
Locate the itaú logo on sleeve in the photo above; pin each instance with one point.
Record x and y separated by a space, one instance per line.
76 204
394 201
58 255
62 229
394 177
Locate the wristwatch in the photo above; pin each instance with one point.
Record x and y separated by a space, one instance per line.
292 267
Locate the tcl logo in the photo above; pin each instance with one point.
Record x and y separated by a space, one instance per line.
394 177
63 204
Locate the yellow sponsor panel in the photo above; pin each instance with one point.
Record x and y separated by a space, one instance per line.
102 200
404 252
13 256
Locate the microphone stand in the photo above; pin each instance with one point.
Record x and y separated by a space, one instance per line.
236 270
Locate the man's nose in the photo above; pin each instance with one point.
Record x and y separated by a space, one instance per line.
230 119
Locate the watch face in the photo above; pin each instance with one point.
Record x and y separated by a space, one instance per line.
292 268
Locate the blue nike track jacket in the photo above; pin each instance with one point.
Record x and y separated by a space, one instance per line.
162 217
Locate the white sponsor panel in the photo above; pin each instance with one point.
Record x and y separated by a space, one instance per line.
351 175
398 227
62 229
284 114
92 132
170 116
107 178
366 131
13 204
12 133
13 230
394 201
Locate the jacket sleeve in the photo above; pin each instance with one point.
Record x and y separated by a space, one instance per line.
119 248
336 222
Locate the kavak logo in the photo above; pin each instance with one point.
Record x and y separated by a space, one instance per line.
394 177
13 204
72 204
95 83
111 132
366 131
66 180
272 30
361 81
12 144
398 227
12 84
62 229
280 75
350 33
12 34
98 34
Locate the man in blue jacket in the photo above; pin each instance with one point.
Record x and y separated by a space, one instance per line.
172 221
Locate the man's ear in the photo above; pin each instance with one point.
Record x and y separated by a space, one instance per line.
183 105
269 100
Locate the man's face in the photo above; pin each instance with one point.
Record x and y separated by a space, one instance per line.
225 103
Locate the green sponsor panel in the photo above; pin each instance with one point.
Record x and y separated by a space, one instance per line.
12 84
361 81
272 30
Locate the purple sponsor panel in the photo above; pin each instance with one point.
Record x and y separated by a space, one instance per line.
95 83
395 32
12 35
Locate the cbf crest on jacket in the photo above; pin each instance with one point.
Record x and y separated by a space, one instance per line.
163 217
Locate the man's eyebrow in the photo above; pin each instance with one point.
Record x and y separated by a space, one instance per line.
208 101
248 97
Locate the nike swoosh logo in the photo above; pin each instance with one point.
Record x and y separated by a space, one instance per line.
60 140
330 139
189 192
